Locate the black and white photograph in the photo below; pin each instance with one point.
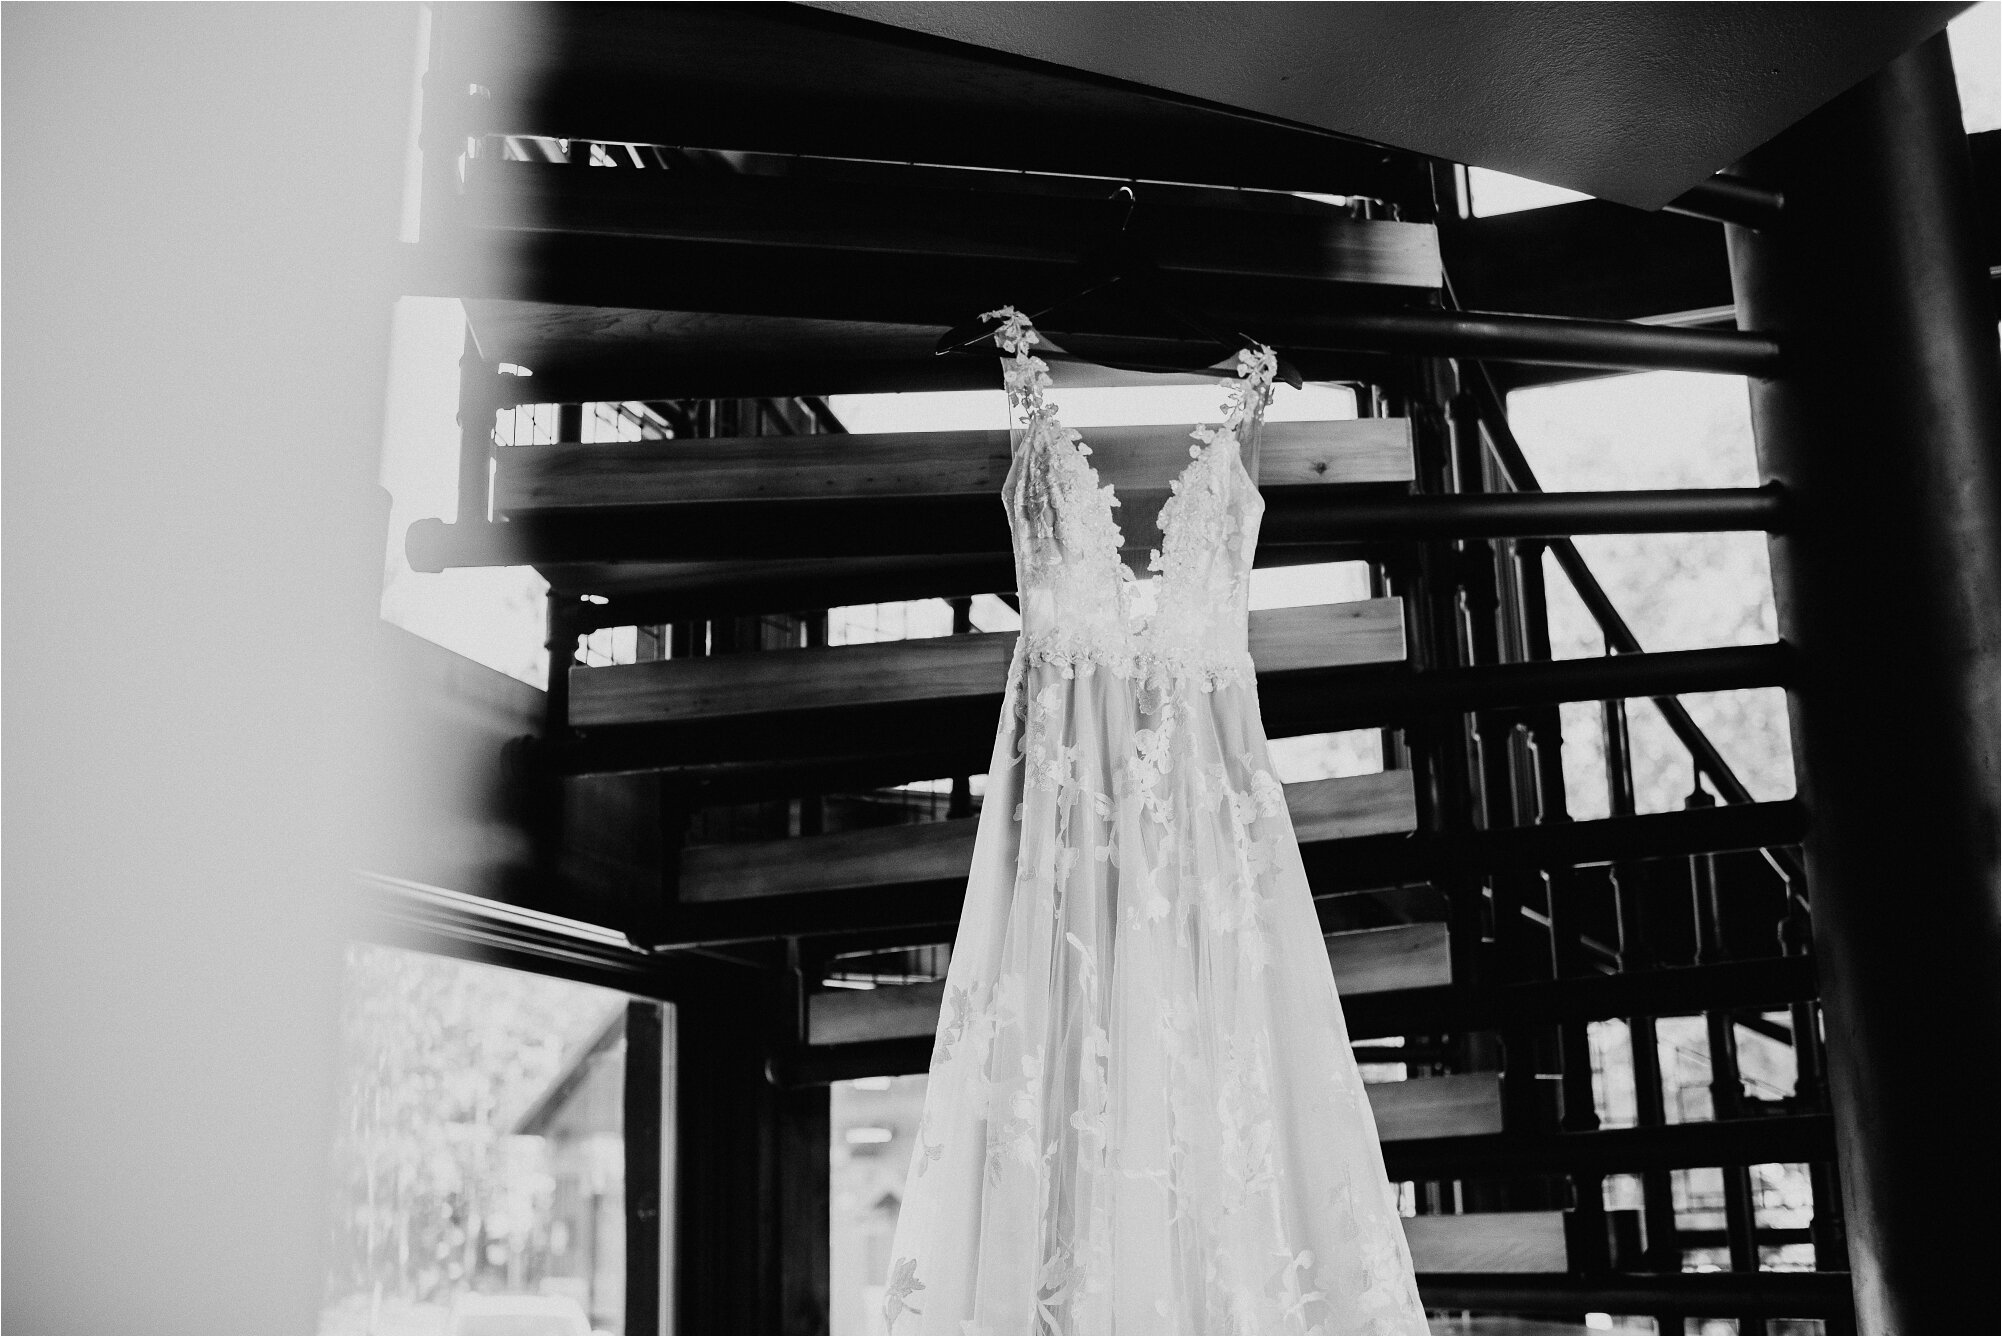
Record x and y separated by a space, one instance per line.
1000 667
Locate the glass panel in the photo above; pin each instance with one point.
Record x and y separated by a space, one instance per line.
493 615
479 1162
872 1121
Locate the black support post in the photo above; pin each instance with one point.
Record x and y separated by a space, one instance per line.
752 1172
961 803
1883 430
645 1047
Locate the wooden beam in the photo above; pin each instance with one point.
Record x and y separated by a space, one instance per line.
1364 962
860 1016
1488 1242
908 464
1462 1104
966 218
1334 809
1325 636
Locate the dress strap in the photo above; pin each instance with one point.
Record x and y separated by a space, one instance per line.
1025 376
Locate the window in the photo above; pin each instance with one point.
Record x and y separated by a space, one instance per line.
873 1121
479 1162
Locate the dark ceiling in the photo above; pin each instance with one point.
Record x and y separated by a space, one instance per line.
1633 102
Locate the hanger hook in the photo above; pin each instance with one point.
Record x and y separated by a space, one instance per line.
1132 201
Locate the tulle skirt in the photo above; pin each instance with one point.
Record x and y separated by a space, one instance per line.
1143 1114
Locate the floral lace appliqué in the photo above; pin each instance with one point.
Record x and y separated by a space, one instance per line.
1143 1114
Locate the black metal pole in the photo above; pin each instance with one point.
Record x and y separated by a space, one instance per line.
1827 1231
1320 515
1551 340
1885 434
1728 199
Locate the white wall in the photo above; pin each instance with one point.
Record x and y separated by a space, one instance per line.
199 205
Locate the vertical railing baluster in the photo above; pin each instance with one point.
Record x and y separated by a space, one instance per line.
1663 1250
961 803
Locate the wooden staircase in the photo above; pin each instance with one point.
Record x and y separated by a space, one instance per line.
1467 916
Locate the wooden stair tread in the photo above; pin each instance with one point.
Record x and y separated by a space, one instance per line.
906 464
1368 631
901 1011
881 856
1396 957
1348 806
967 217
936 851
1461 1104
606 349
1488 1242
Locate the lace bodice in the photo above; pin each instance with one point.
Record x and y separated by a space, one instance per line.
1081 604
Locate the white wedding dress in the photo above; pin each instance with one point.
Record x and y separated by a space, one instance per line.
1143 1114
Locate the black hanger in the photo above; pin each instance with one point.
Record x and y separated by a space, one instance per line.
1120 269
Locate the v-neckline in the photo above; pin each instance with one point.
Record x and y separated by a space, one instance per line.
1108 494
1028 378
1080 450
